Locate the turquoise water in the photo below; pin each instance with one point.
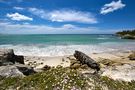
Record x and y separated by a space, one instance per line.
58 39
59 45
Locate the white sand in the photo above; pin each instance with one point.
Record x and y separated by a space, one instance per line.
122 69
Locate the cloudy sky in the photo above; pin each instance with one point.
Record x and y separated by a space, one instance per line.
66 16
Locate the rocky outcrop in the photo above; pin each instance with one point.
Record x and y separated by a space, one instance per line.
10 71
7 57
127 36
123 72
12 65
16 70
84 59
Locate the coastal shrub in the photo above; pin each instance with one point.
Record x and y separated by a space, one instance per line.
125 32
55 78
64 79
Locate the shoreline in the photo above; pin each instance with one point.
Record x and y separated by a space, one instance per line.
115 65
114 69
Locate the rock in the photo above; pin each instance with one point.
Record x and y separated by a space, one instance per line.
132 56
7 57
84 66
10 71
123 72
9 67
26 70
75 66
127 36
107 62
89 71
15 70
72 62
84 59
19 59
46 67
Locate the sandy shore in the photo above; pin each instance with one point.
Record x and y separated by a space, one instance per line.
115 65
117 57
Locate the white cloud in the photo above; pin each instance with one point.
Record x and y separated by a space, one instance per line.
65 15
18 17
69 26
18 8
113 6
9 28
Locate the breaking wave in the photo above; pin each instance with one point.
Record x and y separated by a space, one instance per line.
61 50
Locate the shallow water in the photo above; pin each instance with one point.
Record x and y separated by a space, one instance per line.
59 45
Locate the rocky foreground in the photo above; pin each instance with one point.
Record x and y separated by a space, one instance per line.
74 72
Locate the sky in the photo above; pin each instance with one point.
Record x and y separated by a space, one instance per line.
66 16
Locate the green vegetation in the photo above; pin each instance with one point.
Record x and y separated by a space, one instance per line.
129 34
60 78
105 83
63 79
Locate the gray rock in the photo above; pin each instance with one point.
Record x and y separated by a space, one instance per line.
16 70
10 71
7 57
19 59
84 59
26 70
127 36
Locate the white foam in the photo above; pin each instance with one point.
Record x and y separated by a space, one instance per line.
61 50
102 38
52 50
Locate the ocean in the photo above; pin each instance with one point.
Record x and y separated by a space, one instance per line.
60 44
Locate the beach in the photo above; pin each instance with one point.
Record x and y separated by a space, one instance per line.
115 65
102 59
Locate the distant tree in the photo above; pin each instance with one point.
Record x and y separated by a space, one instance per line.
125 32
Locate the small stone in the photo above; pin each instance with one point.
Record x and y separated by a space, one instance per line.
34 62
63 60
41 63
75 66
46 67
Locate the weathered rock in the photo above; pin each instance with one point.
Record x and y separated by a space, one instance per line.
26 70
84 59
132 56
19 59
7 57
10 71
84 66
16 70
127 36
123 72
75 66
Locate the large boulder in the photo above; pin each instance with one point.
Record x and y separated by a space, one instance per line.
7 57
10 71
12 65
84 59
16 70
